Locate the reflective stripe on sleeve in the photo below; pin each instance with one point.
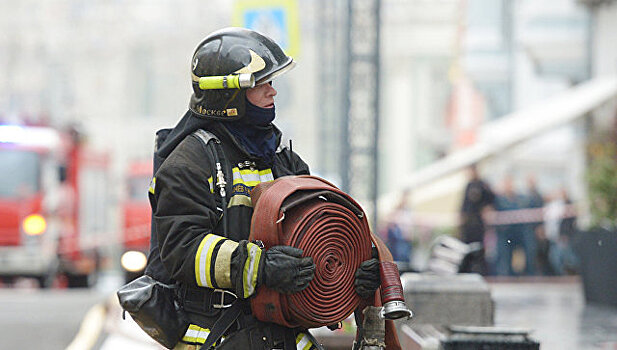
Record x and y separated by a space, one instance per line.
249 275
303 342
222 265
196 334
152 185
211 183
203 259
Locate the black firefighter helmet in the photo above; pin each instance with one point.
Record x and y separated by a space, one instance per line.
228 62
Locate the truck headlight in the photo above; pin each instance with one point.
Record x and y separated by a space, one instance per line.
34 225
133 261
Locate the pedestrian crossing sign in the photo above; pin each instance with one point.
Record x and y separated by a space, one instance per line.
278 19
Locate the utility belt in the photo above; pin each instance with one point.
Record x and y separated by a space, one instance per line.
205 301
206 307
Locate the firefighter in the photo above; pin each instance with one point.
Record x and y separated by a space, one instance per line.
203 241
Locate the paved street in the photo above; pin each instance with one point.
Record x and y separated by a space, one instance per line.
557 313
33 318
42 319
554 310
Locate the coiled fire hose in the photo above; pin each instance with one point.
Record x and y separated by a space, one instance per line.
311 214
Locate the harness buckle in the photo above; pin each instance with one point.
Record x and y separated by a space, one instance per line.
222 304
261 245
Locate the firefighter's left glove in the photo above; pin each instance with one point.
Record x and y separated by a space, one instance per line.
285 270
367 278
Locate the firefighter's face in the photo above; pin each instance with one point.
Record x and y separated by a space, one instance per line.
262 95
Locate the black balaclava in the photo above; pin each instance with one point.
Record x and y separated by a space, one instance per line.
255 132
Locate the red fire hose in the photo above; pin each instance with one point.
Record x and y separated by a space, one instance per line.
311 214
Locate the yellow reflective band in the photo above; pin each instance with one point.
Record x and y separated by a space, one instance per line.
251 178
211 183
303 342
222 265
203 259
245 177
196 334
152 185
249 172
249 275
266 175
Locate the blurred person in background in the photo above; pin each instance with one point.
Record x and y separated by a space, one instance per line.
398 231
567 231
544 266
509 233
478 195
205 248
560 227
533 200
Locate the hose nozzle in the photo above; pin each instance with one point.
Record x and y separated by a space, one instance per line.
394 310
392 296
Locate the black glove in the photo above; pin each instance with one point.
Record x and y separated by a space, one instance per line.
367 278
286 271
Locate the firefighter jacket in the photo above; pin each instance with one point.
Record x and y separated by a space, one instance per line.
187 214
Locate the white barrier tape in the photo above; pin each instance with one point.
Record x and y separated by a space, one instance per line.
491 218
526 216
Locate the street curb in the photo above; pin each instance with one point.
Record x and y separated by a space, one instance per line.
90 329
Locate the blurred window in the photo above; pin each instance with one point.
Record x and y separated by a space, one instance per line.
487 25
93 200
486 14
20 174
138 188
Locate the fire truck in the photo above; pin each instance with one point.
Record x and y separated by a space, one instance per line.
53 205
136 219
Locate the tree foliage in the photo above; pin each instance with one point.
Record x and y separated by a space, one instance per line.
602 182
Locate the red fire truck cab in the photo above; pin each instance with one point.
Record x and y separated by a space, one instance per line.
53 205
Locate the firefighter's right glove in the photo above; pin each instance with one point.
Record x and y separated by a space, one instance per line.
368 278
286 271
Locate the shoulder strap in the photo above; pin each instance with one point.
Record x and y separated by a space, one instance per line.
212 142
227 318
205 136
159 140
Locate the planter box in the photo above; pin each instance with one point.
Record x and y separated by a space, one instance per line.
597 250
443 300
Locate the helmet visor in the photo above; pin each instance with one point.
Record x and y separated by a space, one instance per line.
289 66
